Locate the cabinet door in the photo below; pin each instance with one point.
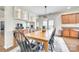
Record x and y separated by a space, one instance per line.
72 18
65 19
77 18
66 32
73 33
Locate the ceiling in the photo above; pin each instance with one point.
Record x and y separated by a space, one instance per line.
40 10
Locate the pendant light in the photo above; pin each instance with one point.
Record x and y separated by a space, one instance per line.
45 7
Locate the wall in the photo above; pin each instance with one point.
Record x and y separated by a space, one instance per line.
1 14
9 27
39 21
57 21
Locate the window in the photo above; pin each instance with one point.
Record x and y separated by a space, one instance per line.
51 23
37 24
45 23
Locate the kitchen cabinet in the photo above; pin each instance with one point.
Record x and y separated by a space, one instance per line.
65 19
70 33
66 32
73 33
69 18
77 18
72 18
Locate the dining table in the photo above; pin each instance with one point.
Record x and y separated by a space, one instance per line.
41 36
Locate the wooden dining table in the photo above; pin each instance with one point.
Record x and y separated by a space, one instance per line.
41 37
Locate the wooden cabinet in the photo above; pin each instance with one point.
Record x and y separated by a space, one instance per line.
73 33
69 19
77 18
65 19
66 32
70 33
72 18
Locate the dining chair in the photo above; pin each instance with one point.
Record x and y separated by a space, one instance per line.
24 43
51 41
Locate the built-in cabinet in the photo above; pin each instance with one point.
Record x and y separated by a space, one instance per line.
70 33
65 19
70 18
66 32
73 33
77 18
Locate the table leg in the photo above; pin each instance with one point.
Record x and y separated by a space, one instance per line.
46 46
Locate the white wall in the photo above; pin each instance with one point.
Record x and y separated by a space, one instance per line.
57 21
9 27
2 15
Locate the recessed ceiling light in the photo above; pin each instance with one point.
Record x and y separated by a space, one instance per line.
68 7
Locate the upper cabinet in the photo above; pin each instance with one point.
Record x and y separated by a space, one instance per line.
65 19
70 18
17 13
77 18
20 13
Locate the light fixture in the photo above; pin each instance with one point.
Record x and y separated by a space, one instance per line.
68 7
45 9
45 12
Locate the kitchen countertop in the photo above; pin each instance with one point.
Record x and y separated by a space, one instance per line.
76 29
70 26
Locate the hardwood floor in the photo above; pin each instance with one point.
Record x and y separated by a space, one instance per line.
2 49
1 41
72 43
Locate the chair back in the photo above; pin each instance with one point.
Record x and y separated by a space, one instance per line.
53 34
22 41
51 41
